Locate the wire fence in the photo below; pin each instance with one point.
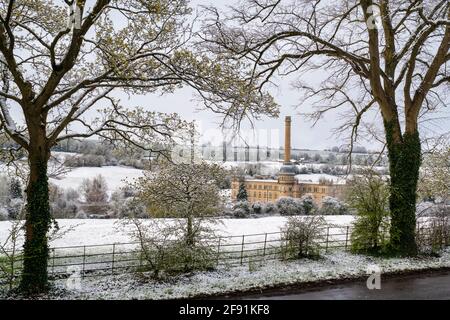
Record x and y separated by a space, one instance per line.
227 251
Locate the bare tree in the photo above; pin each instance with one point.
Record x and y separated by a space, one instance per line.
389 56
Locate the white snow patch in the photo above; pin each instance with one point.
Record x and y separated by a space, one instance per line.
335 265
115 177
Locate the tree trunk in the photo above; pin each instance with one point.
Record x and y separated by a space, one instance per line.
189 232
404 163
38 219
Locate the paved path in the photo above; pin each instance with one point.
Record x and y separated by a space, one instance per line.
426 286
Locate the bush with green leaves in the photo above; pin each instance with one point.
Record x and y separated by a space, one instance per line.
302 237
10 254
306 205
368 195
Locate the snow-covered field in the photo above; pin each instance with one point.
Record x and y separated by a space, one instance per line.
335 265
99 231
115 177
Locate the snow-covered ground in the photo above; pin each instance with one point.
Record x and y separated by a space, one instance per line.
99 231
115 177
334 265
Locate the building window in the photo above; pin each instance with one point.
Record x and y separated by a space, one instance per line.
323 190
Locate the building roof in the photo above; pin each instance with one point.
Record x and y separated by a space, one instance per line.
314 178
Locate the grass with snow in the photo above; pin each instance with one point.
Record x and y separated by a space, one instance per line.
335 265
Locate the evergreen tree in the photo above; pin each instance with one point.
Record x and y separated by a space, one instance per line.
15 189
242 194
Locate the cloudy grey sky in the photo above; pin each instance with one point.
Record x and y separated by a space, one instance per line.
303 134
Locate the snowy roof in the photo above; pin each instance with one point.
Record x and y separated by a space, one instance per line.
315 178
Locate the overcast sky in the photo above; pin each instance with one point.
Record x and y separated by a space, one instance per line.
303 134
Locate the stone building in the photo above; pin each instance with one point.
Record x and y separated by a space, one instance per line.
288 183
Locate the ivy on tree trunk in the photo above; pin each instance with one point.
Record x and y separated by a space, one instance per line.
36 251
404 164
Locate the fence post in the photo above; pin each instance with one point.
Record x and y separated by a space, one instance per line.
218 252
418 229
53 262
84 259
113 255
346 238
242 249
265 244
326 245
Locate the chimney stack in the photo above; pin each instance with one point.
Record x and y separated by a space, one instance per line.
287 140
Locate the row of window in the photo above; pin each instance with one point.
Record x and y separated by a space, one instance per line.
261 187
304 189
269 196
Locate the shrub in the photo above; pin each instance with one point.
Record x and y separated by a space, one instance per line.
240 213
241 209
128 207
301 237
165 249
288 206
369 195
71 194
269 208
433 234
4 215
333 206
15 208
15 189
257 207
4 190
81 215
306 205
85 160
63 203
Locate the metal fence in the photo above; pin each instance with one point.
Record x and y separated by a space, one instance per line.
114 258
94 260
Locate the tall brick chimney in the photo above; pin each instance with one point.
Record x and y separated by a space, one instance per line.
287 140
